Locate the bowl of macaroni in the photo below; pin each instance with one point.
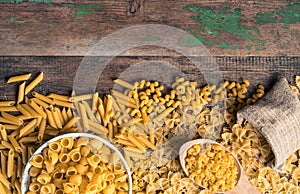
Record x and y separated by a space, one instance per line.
77 163
210 165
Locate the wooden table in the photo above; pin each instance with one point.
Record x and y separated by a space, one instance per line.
259 40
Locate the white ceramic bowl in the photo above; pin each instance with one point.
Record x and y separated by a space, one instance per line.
26 178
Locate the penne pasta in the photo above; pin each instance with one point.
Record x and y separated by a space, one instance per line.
4 181
8 109
12 118
40 102
64 115
27 127
50 118
23 110
64 103
98 126
145 141
36 108
43 98
3 133
56 118
95 102
69 114
7 121
42 128
3 164
124 83
71 123
28 139
2 189
34 83
80 98
89 112
84 118
58 97
7 145
15 144
21 93
18 78
10 163
135 141
7 103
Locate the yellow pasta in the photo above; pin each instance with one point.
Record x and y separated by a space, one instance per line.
123 83
3 132
58 97
63 103
36 108
34 83
10 163
27 127
7 103
84 118
15 144
21 93
80 98
18 78
134 140
43 98
42 128
40 102
8 109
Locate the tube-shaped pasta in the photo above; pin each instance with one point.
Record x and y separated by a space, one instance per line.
55 146
76 179
34 171
42 98
64 158
122 186
10 163
82 141
18 78
82 169
48 188
92 188
21 93
52 156
109 189
94 160
67 142
84 151
37 108
75 155
44 178
71 171
35 186
34 83
68 187
58 97
27 127
37 161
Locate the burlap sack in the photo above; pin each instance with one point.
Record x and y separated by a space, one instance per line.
277 117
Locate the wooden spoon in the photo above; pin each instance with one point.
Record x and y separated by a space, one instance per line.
242 186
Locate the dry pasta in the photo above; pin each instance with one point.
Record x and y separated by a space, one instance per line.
96 171
18 78
34 83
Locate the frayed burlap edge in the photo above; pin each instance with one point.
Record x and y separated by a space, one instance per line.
277 117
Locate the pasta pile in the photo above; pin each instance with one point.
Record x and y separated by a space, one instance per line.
82 166
211 167
141 120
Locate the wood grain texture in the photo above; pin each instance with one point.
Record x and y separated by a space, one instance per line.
59 72
69 28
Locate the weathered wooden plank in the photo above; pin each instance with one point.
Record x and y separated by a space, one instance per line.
59 72
261 28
